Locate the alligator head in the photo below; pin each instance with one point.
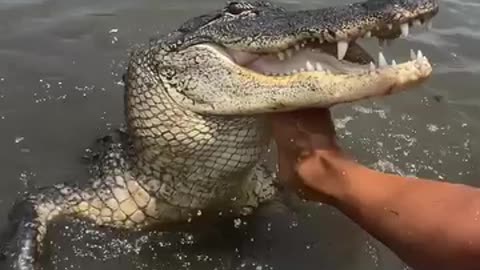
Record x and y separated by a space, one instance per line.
254 57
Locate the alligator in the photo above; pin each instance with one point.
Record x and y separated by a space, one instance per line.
197 102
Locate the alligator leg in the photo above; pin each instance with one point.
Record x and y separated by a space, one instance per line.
118 201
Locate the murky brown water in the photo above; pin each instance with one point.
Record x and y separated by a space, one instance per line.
60 68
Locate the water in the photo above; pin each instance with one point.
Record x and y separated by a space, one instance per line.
60 68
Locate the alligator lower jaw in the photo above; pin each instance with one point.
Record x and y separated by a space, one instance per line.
256 92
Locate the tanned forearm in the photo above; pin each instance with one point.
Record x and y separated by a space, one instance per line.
429 224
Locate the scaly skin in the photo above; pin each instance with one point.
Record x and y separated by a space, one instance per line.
196 130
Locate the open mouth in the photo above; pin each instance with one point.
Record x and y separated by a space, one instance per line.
338 57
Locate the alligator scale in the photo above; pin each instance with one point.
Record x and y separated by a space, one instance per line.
196 102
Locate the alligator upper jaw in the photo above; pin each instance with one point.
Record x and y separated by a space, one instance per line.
274 31
313 53
314 57
333 58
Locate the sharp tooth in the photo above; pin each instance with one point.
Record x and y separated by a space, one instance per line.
318 67
419 54
289 53
342 47
372 66
297 47
382 62
394 63
390 26
309 66
417 22
302 45
404 29
413 56
281 56
368 34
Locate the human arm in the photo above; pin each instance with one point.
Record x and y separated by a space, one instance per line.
429 224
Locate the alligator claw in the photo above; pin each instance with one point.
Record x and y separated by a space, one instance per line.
19 246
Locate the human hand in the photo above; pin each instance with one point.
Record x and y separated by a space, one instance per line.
304 139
